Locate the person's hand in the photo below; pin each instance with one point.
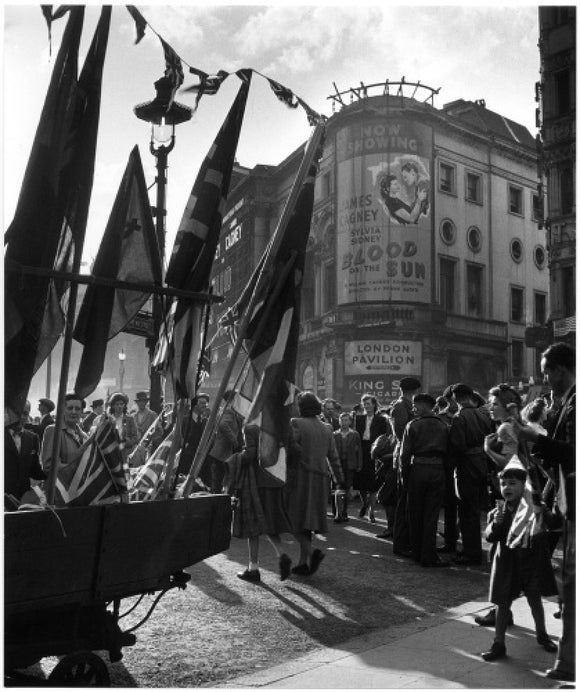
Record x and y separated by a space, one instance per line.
499 512
524 432
489 442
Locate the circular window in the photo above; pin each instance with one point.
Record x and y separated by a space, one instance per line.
474 239
516 250
539 257
447 231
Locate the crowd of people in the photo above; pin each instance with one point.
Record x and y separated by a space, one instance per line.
461 454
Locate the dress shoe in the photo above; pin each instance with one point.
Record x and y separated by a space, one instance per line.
488 620
544 640
403 553
338 520
363 510
250 575
302 570
463 560
436 563
345 517
557 674
284 564
446 549
315 559
496 652
372 517
384 534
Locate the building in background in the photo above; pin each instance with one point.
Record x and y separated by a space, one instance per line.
556 119
425 257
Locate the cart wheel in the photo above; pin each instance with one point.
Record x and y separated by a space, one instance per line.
81 669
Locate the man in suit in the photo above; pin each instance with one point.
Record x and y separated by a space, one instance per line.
45 408
98 407
21 459
558 451
144 417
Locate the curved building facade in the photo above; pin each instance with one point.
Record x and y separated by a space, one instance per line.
425 257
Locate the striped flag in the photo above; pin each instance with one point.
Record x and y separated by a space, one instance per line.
99 477
149 479
195 247
173 69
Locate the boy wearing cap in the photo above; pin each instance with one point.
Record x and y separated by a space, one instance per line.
98 407
423 451
521 560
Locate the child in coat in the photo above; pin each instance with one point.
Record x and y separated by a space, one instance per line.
521 560
349 448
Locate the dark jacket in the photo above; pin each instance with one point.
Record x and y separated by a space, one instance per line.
379 426
468 430
20 467
425 438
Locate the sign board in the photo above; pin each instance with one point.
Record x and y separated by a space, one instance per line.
141 325
384 211
399 358
384 387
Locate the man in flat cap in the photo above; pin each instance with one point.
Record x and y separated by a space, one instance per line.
401 414
97 406
45 408
144 417
423 451
467 433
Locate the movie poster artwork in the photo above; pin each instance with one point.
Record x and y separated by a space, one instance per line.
384 212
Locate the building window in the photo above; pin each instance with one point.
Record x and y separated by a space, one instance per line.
473 188
329 287
516 250
447 231
447 284
326 184
517 358
516 205
474 239
539 257
562 89
308 288
474 290
536 207
540 308
447 178
517 304
568 291
567 190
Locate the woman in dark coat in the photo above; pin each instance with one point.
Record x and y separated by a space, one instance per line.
312 450
369 426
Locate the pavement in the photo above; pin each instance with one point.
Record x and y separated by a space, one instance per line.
441 651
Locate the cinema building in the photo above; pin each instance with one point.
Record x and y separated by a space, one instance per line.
424 258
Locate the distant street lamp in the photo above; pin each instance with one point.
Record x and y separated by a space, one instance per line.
122 357
163 118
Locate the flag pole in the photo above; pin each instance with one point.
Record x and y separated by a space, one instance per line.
203 447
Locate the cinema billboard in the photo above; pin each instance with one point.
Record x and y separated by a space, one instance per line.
384 211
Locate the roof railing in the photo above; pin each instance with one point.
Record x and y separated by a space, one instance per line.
401 88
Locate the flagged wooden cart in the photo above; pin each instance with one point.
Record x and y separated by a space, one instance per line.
67 572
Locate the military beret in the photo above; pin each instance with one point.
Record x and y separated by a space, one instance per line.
408 384
424 398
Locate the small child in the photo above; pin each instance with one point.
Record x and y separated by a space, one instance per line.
349 448
521 560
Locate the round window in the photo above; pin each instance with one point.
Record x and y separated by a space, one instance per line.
474 239
540 256
516 250
447 231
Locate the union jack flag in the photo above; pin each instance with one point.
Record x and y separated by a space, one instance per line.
99 477
149 479
173 69
283 93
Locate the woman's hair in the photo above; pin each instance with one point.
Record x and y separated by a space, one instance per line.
507 395
309 404
533 412
385 183
372 399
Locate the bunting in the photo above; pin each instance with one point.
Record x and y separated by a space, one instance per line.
140 22
173 69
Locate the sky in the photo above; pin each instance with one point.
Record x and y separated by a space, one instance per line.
470 52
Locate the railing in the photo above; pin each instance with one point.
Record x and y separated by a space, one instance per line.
400 88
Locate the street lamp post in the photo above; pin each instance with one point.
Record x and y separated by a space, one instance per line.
122 357
163 118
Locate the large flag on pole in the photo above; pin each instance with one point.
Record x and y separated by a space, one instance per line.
195 246
273 330
49 224
129 251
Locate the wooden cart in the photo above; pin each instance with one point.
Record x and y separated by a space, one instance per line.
66 573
